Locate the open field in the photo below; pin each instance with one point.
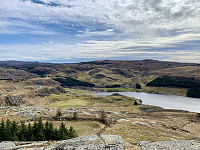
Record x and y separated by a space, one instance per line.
83 128
133 122
42 97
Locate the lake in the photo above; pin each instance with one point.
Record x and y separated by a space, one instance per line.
164 101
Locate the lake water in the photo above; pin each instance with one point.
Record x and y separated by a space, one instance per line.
164 101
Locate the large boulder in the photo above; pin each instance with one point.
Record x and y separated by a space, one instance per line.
92 142
7 145
169 145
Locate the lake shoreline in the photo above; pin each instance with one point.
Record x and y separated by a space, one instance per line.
165 101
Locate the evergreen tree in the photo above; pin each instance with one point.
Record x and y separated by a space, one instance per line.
32 138
40 125
35 129
22 138
56 134
37 132
23 132
75 115
62 131
58 113
14 137
2 131
46 130
8 133
14 130
40 135
72 133
51 132
30 131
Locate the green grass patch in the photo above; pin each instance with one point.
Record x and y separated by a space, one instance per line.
135 133
71 103
120 89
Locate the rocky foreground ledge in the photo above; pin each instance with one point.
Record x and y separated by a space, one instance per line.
169 145
102 142
92 142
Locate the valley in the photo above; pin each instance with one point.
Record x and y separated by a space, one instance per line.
29 91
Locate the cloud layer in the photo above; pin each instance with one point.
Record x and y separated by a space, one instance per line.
103 29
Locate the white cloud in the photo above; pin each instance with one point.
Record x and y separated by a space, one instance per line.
106 50
122 14
88 33
132 27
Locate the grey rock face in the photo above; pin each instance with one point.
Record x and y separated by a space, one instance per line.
169 145
7 145
92 142
141 124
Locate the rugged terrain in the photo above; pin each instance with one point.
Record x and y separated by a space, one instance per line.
107 73
28 91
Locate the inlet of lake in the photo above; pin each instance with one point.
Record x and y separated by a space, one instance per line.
164 101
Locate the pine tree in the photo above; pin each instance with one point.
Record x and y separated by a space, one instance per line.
51 132
35 129
72 133
40 135
75 115
32 138
14 137
8 133
23 135
40 125
37 132
14 130
30 131
2 131
22 138
46 130
62 131
56 134
58 113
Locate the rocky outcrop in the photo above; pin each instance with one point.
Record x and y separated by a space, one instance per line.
11 100
92 142
42 82
102 142
169 145
15 74
47 91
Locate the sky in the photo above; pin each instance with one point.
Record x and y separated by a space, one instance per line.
86 30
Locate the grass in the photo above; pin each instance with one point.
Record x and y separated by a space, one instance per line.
132 109
71 103
120 89
147 89
79 98
135 133
84 77
167 90
78 91
83 128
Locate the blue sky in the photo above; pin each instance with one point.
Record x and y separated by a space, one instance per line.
84 30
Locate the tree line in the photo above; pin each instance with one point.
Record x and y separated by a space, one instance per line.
38 131
67 81
180 82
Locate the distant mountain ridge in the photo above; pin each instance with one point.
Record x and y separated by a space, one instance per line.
108 72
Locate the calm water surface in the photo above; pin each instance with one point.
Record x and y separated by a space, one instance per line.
165 101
